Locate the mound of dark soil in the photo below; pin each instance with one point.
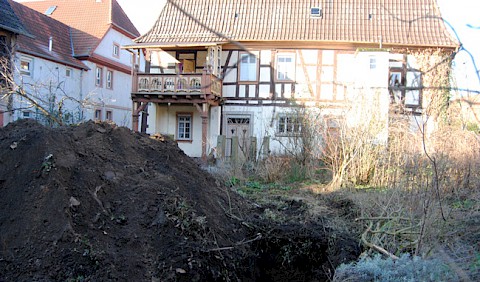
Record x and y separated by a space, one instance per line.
97 202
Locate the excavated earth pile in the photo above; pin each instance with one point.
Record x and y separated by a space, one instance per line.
97 202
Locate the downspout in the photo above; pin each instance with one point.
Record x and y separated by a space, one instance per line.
81 117
135 108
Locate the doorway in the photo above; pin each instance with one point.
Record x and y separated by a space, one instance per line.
238 126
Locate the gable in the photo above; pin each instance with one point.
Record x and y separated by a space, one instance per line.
51 39
89 23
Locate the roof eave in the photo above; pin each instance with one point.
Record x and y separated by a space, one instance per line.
171 45
16 31
79 65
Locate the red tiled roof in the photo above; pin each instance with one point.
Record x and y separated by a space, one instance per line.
90 20
394 22
42 28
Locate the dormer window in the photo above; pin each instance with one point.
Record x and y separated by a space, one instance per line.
316 12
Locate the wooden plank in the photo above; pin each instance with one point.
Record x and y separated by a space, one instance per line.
225 66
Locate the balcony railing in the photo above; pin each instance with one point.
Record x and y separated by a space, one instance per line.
195 83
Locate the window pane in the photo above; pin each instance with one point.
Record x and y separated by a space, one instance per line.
285 67
248 67
183 128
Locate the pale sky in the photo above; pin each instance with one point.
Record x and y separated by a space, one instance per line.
143 13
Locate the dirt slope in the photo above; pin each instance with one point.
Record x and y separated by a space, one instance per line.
97 202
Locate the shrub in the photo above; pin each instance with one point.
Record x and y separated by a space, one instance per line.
406 268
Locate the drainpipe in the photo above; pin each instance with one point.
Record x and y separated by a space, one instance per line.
81 96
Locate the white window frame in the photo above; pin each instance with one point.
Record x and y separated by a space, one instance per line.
27 114
98 76
68 72
109 79
285 70
28 71
316 12
289 125
97 114
184 126
109 115
116 50
247 67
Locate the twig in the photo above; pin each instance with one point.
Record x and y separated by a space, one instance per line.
382 218
258 237
375 247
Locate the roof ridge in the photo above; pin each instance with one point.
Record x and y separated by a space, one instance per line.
110 8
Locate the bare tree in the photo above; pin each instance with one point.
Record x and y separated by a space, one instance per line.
48 98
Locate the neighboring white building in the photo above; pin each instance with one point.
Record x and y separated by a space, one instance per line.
76 51
43 67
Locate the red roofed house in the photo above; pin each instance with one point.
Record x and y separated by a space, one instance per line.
239 68
85 39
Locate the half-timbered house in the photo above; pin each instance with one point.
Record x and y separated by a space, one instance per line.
238 68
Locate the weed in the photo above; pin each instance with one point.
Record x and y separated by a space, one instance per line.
232 181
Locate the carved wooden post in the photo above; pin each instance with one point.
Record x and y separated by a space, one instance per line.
144 124
138 107
135 116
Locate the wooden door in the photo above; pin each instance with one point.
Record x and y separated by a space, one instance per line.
188 66
238 126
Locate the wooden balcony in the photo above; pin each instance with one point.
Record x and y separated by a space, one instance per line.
177 88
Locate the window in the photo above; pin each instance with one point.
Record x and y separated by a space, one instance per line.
286 66
316 12
50 10
289 125
373 62
109 115
26 66
98 114
184 126
109 83
68 72
98 77
27 114
248 67
116 50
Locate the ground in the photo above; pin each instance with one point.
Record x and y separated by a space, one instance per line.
97 202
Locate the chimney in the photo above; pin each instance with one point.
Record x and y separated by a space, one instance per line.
50 44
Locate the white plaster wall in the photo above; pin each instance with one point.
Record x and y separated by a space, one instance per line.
163 119
48 78
117 99
105 48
